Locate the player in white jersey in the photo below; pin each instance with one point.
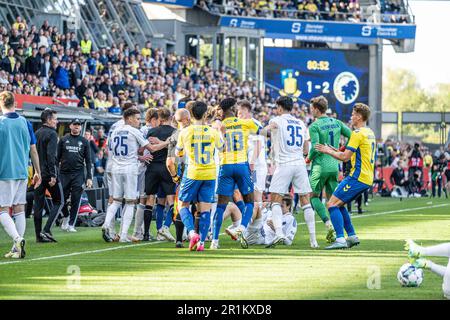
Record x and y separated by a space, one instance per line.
108 172
290 143
125 142
256 155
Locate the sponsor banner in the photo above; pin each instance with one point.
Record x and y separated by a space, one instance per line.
21 98
322 31
181 3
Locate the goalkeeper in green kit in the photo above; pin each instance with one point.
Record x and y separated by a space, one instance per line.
324 168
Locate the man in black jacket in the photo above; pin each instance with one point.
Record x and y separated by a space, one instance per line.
73 157
33 63
47 141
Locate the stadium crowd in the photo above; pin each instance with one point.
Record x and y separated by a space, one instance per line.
339 10
44 62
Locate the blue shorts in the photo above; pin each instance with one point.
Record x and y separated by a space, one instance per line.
197 190
231 174
349 189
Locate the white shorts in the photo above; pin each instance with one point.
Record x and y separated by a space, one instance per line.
259 178
107 178
255 236
13 192
124 186
285 175
141 185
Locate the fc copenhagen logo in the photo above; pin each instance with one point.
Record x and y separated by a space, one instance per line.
346 87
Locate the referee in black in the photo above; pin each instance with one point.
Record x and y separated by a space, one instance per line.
74 158
47 142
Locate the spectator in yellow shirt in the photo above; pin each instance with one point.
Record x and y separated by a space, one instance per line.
311 6
19 25
147 51
101 103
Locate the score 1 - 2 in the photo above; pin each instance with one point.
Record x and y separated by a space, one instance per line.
324 87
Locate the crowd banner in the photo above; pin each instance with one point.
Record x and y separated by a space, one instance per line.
21 98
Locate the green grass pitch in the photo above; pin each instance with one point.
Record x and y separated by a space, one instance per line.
155 270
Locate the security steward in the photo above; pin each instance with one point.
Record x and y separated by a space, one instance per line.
74 159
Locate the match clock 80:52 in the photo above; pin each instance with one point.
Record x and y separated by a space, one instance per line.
321 65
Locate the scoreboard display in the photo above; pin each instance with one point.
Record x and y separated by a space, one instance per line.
342 76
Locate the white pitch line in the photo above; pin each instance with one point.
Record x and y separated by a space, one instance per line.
389 212
151 243
81 252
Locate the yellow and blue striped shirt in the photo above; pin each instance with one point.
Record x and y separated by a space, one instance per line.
362 143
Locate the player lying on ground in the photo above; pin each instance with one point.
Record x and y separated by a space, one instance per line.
262 230
290 143
416 254
361 151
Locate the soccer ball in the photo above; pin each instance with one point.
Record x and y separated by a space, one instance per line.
410 276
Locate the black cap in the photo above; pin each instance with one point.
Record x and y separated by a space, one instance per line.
75 121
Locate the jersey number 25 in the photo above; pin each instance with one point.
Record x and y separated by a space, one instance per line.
122 143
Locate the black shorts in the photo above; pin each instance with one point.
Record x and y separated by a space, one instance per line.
157 177
447 174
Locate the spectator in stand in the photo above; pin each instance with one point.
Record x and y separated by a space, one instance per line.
88 100
61 76
20 57
100 102
8 63
146 52
100 141
19 25
43 39
86 45
100 165
115 107
32 63
93 147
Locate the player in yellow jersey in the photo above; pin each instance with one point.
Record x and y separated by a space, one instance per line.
198 142
361 151
234 169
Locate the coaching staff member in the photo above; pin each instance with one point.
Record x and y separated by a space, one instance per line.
74 156
47 142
